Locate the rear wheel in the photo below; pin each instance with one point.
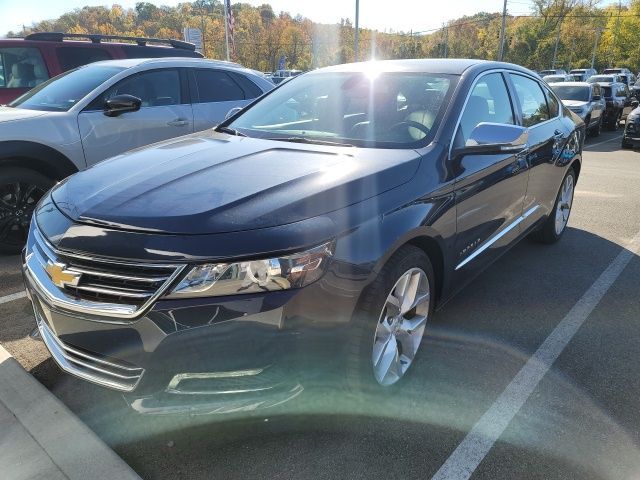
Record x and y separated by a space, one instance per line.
556 223
390 323
20 190
597 129
615 123
626 144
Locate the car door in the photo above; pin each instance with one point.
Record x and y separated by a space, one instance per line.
165 113
598 102
625 98
489 189
549 131
215 92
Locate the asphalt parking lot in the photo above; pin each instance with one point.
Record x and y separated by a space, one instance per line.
531 372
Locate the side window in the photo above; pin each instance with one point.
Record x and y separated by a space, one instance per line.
596 90
155 88
488 102
216 86
552 103
532 101
251 90
73 57
21 68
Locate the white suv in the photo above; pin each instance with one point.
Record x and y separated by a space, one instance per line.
103 109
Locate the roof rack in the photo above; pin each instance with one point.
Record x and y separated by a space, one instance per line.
97 38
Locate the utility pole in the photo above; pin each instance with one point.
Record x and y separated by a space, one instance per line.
502 31
595 46
226 26
357 32
446 40
555 50
617 34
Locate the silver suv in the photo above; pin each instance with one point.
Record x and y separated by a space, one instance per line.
83 116
584 99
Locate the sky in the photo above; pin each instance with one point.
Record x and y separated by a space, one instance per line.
416 15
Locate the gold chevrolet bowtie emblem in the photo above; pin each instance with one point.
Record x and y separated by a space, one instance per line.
60 276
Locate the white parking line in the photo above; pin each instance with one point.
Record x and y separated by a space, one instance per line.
604 141
12 297
475 446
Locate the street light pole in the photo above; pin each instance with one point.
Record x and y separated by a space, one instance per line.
355 43
595 46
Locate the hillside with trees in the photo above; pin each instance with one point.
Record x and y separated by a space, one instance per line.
569 28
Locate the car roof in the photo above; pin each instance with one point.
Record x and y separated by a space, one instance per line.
453 66
182 61
572 84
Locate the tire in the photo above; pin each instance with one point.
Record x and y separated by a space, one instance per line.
615 123
626 145
20 190
548 233
372 322
597 130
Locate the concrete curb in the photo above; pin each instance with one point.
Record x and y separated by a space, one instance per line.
41 438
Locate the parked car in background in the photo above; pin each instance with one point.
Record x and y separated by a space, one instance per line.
558 78
85 115
631 134
556 71
29 61
617 70
280 75
604 78
583 74
584 99
618 102
239 262
635 89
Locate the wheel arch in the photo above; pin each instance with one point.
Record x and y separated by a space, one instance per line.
35 156
576 165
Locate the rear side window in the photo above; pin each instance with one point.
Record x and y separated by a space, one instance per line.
21 68
533 103
73 57
488 102
251 90
552 103
216 86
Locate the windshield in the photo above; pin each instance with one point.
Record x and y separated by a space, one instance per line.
61 93
393 110
602 78
572 92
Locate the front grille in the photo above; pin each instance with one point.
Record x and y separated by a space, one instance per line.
99 286
104 371
103 281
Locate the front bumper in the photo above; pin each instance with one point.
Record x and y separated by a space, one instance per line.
210 355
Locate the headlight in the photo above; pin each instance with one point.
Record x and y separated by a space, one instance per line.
254 276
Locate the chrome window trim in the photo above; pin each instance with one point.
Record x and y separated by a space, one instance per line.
39 280
497 236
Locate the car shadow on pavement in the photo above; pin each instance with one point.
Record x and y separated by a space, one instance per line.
472 349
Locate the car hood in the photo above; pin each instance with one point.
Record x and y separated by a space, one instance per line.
9 114
575 103
216 183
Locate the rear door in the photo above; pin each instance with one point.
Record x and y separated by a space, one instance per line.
165 113
215 92
489 188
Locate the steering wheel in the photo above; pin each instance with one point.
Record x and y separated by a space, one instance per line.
410 123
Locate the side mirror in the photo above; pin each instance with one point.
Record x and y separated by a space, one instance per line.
232 112
121 104
495 138
596 97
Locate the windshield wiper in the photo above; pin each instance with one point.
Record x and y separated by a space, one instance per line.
311 141
230 131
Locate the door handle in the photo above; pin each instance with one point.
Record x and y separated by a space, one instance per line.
558 135
178 122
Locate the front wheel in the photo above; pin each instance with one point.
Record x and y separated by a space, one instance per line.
556 223
20 190
390 322
597 130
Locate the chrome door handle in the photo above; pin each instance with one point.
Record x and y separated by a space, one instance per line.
178 122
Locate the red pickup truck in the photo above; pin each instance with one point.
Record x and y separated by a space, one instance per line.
29 61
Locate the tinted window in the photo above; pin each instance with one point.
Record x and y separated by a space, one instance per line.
532 101
552 103
572 92
378 110
607 91
216 86
21 68
155 88
251 90
73 57
488 102
64 91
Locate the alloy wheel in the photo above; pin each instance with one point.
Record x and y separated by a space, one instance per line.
17 202
563 207
401 326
